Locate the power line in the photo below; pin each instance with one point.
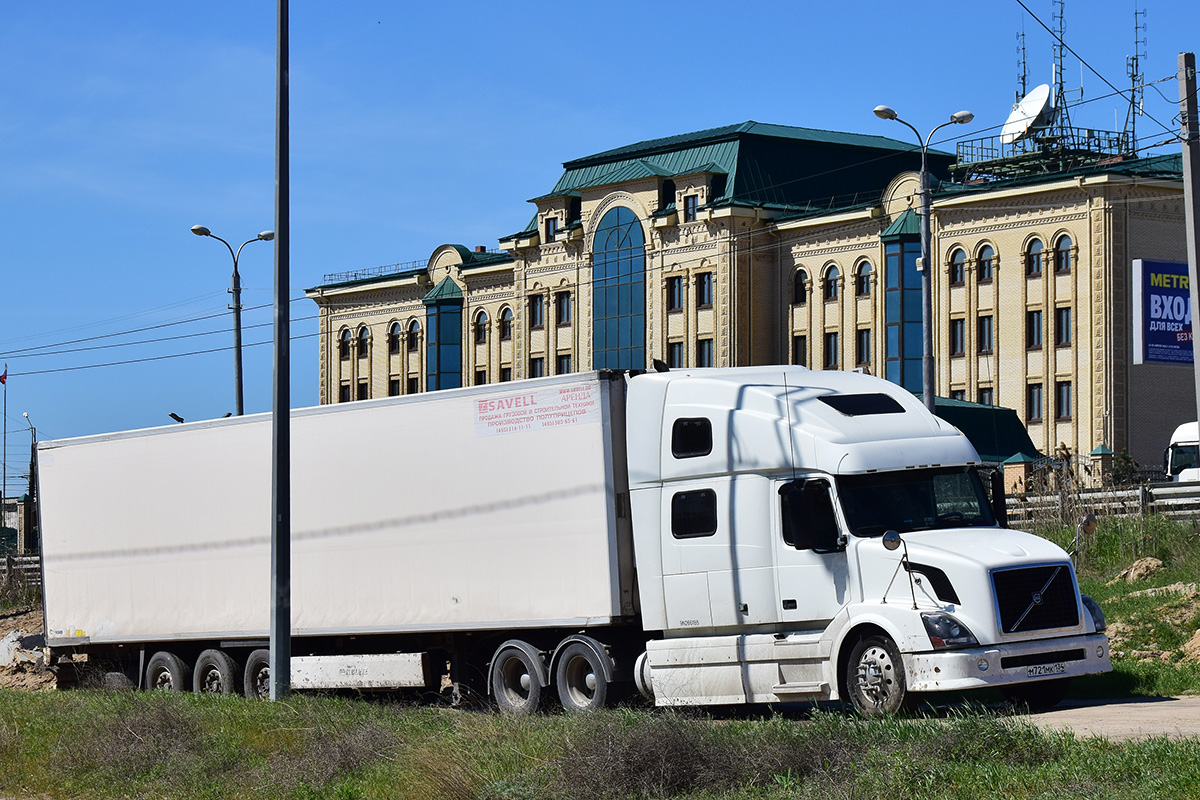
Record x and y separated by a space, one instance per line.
19 351
147 359
156 340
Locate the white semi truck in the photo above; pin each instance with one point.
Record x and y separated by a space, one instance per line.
708 536
1181 459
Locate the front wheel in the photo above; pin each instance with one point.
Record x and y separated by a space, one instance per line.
875 678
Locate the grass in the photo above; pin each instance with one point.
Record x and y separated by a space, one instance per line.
125 744
1149 631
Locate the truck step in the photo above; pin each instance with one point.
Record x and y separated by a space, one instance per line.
813 687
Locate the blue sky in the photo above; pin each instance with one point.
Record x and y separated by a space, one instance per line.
413 125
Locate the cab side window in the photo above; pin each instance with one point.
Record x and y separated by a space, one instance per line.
691 437
694 513
809 521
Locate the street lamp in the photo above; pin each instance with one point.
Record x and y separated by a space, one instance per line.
959 118
236 291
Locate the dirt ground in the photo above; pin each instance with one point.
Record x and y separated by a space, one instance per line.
30 677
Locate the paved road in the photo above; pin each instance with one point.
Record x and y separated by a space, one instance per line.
1119 720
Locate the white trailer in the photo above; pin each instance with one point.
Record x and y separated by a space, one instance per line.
766 534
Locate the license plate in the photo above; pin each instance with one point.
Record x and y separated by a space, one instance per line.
1038 670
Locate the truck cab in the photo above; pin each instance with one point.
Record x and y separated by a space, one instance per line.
1181 459
804 535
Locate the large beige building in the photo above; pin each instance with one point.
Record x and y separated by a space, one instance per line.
759 244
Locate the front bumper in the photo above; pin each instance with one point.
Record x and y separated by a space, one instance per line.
1001 665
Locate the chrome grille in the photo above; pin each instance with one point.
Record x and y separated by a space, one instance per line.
1036 598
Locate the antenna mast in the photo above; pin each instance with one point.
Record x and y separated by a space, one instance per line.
1062 123
1137 81
1022 65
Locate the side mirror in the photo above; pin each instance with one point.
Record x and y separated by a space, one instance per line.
891 540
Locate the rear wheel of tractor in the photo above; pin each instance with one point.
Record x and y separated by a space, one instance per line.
1040 695
168 672
580 678
515 681
216 673
875 678
256 680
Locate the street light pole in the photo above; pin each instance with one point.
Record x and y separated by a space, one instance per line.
236 291
927 376
31 500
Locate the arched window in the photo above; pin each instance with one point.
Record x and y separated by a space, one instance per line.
481 327
830 288
344 344
800 288
1062 254
506 324
862 279
394 338
364 342
987 263
618 291
414 336
958 266
1033 258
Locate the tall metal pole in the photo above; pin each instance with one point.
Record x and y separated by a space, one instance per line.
928 393
1190 134
281 482
236 291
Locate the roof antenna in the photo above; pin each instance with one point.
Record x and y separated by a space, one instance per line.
660 365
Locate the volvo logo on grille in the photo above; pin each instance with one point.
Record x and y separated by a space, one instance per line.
1036 597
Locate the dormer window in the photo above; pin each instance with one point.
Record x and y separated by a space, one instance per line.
551 229
690 203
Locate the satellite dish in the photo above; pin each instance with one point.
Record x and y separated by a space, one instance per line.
1034 112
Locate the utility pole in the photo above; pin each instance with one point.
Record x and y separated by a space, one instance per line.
281 461
1190 134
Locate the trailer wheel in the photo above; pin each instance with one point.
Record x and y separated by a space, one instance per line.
515 680
168 672
875 678
256 680
1040 695
580 678
215 673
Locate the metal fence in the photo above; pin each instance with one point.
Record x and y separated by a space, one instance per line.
24 569
1180 501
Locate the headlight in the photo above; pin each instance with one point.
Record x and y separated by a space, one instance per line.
945 631
1093 608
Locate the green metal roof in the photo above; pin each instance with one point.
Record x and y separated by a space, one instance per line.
771 166
996 432
733 132
1102 450
907 224
446 290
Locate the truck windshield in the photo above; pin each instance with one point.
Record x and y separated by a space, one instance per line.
914 500
1183 456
